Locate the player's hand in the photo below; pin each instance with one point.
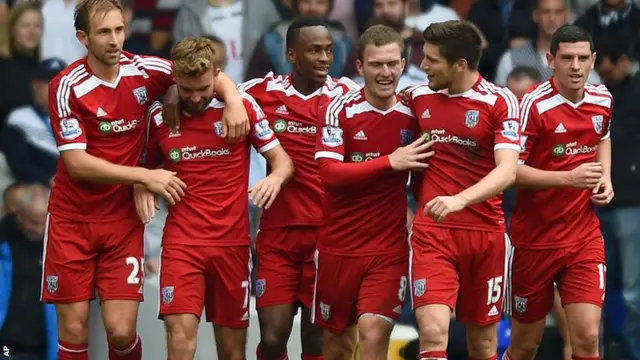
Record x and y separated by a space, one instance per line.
235 121
586 176
265 191
440 207
146 203
602 194
412 156
171 108
166 184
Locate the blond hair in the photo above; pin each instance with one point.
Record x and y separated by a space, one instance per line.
193 56
7 49
85 9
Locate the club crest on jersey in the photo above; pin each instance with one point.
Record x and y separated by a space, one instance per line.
325 311
167 294
217 128
597 121
261 287
419 287
52 284
405 137
521 304
140 94
471 118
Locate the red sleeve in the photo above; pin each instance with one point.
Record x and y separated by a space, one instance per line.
261 136
152 156
506 121
64 115
529 125
160 73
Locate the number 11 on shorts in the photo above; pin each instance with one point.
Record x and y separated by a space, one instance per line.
494 290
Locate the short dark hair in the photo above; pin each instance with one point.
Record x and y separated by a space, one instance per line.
85 9
456 39
379 35
569 34
525 71
293 31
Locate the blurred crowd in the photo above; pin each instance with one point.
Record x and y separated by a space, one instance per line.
37 40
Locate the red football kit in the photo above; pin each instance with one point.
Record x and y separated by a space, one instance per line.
556 232
461 260
288 232
362 258
93 239
205 258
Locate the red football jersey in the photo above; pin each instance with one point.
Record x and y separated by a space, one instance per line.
108 121
467 128
294 118
368 218
214 210
558 135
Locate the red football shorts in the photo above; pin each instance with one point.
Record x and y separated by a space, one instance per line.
463 269
81 257
216 278
285 272
348 287
579 272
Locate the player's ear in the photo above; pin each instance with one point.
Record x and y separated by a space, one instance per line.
359 67
82 37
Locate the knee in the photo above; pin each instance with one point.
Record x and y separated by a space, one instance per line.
586 340
433 335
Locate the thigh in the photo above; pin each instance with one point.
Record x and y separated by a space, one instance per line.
277 272
433 274
384 287
181 281
584 279
69 262
482 258
228 286
121 259
531 277
338 279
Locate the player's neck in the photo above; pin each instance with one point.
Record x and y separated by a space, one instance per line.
303 85
575 96
378 102
464 82
108 73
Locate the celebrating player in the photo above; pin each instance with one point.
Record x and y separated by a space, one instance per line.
289 229
206 246
459 245
565 170
97 107
365 148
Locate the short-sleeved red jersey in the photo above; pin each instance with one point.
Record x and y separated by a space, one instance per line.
467 129
368 218
558 135
108 121
214 210
294 118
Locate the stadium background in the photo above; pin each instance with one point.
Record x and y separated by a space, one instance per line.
250 36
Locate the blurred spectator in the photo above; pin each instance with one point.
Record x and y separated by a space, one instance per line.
258 18
222 18
27 140
614 19
500 21
10 198
28 328
59 33
271 52
427 14
19 56
621 219
392 13
521 79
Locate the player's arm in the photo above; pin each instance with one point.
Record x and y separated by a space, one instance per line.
264 192
70 135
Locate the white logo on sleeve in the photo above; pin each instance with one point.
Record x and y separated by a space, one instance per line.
70 129
510 129
332 136
262 129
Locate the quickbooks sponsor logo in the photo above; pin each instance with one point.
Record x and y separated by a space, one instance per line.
573 148
440 136
117 126
191 152
293 127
